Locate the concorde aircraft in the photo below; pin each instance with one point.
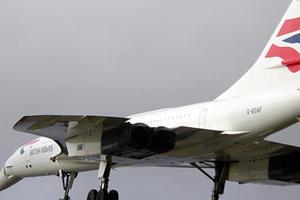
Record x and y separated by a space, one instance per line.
227 134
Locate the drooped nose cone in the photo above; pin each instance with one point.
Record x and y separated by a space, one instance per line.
7 180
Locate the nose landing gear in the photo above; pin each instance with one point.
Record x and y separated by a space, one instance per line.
67 181
104 172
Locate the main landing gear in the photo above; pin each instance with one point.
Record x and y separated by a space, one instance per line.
104 172
67 181
221 173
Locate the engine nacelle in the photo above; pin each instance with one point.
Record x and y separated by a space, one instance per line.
137 141
277 170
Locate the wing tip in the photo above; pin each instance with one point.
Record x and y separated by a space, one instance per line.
19 122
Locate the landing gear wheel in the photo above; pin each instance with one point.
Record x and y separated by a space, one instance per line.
93 195
103 195
113 195
104 172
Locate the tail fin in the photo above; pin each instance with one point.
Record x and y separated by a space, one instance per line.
278 67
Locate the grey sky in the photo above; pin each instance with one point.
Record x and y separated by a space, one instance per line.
119 57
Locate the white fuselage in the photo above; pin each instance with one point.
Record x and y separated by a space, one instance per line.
256 114
36 159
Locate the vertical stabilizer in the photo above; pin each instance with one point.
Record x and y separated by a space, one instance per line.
278 67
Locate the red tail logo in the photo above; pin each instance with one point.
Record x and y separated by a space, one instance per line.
290 56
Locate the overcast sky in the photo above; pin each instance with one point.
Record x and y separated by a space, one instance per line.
119 57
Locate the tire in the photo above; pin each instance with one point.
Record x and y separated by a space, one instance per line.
103 195
92 195
113 195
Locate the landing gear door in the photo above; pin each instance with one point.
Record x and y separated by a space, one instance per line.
202 118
